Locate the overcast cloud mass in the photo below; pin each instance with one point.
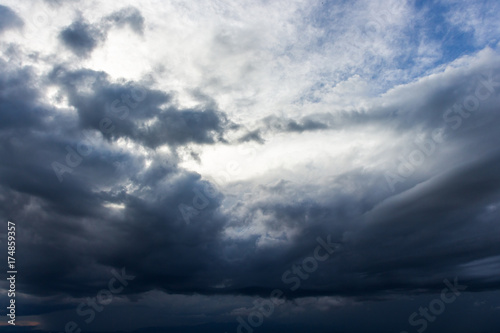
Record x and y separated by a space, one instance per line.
251 166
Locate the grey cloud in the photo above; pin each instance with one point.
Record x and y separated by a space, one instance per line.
307 125
90 236
82 38
128 16
438 102
130 106
310 123
113 211
9 19
59 3
272 124
252 136
384 238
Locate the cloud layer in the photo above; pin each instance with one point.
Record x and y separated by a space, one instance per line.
206 147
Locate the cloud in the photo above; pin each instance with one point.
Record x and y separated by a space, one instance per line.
215 169
130 16
144 115
475 17
9 19
252 136
305 124
81 38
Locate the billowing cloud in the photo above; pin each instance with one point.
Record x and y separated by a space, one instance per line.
218 154
81 38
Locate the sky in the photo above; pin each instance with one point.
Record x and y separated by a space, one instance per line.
251 166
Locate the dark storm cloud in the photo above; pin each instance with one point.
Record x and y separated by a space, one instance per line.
408 242
9 19
83 237
391 243
24 112
144 115
435 228
81 38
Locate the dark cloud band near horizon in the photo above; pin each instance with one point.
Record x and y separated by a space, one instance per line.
224 167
